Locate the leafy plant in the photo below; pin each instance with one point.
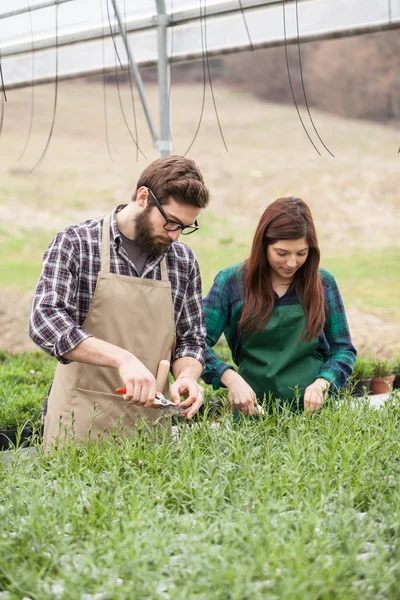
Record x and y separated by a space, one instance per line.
25 380
265 502
396 365
362 369
381 367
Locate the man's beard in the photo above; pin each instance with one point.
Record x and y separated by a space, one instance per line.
144 237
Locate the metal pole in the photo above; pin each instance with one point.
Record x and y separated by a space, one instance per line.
136 74
164 144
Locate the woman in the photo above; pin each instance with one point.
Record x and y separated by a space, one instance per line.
282 317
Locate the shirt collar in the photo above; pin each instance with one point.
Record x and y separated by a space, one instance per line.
115 233
153 261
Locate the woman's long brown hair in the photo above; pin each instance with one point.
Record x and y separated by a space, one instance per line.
284 219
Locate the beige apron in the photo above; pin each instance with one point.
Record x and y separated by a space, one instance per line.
133 313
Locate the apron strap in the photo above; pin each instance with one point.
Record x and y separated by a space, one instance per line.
164 272
105 245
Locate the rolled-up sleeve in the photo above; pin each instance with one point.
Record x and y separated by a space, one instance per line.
53 325
342 354
190 328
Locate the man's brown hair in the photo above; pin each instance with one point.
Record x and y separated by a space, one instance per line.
177 177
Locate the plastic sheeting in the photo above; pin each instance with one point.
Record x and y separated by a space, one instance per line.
212 26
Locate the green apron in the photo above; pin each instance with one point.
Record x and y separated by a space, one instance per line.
276 360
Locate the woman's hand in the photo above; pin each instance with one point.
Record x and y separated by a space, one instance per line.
315 395
240 394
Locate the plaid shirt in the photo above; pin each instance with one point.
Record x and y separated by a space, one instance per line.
223 308
66 286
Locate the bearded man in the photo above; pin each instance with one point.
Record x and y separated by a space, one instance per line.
117 295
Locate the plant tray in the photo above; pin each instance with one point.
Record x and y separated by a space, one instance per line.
8 438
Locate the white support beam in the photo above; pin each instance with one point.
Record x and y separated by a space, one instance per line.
20 10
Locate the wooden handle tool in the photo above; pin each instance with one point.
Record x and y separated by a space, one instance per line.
161 378
162 375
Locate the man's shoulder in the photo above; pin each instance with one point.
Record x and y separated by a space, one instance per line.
181 253
81 233
84 228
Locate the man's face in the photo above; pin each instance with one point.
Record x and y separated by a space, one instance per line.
150 234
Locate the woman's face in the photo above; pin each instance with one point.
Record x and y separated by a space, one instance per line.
285 257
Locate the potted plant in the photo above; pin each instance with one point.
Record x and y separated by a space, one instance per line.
396 371
360 381
15 436
382 376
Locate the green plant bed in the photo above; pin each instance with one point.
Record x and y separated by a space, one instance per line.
225 513
25 379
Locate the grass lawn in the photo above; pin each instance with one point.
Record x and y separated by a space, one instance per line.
367 279
353 198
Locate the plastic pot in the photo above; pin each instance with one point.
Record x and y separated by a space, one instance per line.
8 437
362 387
382 385
396 382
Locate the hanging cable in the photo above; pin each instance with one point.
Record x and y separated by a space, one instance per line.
170 72
112 34
209 77
105 85
246 26
39 162
28 137
290 79
132 96
119 90
123 111
204 80
3 87
302 80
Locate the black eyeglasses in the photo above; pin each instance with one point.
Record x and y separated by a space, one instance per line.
174 225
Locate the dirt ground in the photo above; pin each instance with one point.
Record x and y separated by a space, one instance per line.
354 196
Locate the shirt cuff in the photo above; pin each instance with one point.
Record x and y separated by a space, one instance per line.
216 381
330 376
192 352
67 342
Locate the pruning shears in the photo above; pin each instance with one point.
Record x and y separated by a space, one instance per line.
160 400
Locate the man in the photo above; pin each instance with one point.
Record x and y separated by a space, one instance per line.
117 295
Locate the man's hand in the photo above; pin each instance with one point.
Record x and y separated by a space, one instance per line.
139 382
315 395
240 394
193 393
187 371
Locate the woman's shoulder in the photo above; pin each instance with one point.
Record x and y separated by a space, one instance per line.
329 284
326 277
230 274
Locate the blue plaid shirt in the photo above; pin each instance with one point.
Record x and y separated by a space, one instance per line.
223 309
